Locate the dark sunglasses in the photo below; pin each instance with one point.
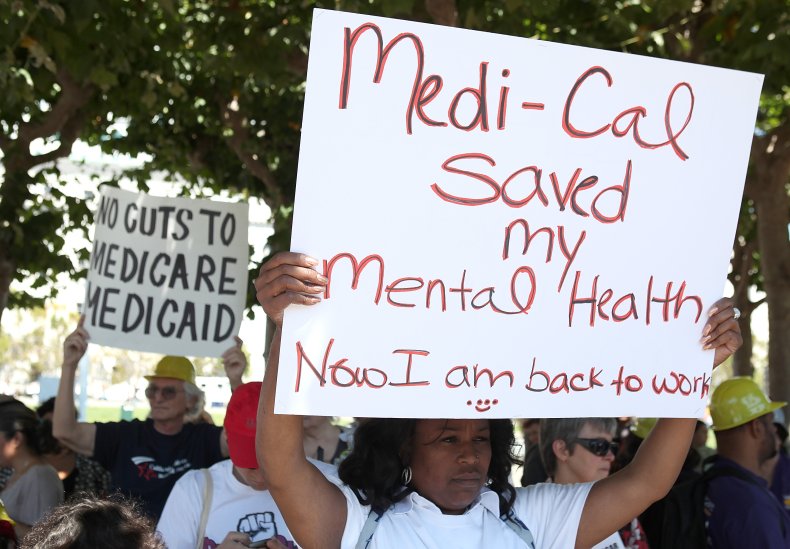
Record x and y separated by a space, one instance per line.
167 392
598 446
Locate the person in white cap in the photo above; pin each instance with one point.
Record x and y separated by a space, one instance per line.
742 511
145 458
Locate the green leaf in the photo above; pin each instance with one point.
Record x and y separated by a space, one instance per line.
103 78
148 98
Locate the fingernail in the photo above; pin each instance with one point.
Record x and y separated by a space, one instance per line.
323 279
706 339
706 331
713 311
310 260
707 347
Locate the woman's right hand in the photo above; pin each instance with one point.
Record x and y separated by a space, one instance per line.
285 279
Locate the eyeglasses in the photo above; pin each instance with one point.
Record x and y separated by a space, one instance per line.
166 392
598 446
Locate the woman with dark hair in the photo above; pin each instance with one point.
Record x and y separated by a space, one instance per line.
443 482
34 488
376 470
90 522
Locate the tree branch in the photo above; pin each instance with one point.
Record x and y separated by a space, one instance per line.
197 152
770 154
742 261
781 147
296 62
443 12
68 135
71 99
236 122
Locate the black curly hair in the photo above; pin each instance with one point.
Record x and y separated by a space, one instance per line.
90 522
381 448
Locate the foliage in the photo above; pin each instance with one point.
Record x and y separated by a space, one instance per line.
211 93
36 348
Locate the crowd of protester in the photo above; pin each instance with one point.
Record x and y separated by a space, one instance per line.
176 480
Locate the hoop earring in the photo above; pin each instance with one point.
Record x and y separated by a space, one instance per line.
406 475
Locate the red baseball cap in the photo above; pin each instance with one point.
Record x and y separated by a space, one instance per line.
240 425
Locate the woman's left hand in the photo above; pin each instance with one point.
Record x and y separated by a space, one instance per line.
722 331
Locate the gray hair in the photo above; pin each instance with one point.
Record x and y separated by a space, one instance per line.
567 430
199 400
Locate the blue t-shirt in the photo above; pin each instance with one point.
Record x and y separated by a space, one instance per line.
145 464
744 513
781 483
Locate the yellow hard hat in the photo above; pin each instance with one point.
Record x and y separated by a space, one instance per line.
176 367
738 401
643 426
4 515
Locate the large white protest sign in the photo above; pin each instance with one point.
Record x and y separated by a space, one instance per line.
167 275
510 227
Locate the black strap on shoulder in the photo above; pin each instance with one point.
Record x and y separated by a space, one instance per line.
510 519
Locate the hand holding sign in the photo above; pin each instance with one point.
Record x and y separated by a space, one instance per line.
75 345
288 278
722 331
235 362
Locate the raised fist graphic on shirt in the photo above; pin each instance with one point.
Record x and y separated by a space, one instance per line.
258 525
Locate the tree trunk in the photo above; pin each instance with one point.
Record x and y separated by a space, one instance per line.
742 262
772 224
11 199
768 189
7 273
742 359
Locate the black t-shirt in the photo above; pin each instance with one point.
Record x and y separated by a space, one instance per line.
145 464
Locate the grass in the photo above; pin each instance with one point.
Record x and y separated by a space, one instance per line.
101 412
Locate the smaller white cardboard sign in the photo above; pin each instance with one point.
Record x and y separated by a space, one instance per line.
167 275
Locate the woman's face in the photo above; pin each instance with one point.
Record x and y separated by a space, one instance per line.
449 461
8 448
581 465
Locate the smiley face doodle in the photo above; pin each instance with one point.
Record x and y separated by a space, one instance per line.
483 405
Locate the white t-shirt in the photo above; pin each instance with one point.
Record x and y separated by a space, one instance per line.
612 542
551 512
235 507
